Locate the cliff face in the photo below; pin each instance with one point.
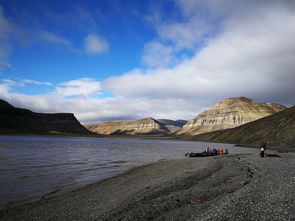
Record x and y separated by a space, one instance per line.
21 121
229 113
278 129
145 126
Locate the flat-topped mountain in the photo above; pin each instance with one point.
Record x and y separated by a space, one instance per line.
145 126
229 113
22 121
278 129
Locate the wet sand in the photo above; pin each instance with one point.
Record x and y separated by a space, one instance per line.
234 187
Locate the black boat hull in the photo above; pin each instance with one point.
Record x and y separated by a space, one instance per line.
201 155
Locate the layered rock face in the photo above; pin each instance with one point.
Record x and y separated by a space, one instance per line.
278 129
145 126
229 113
21 121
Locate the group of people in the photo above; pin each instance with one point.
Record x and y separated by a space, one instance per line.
215 151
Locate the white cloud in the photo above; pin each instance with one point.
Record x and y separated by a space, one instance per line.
184 35
4 89
26 81
94 44
190 28
157 55
39 103
80 87
53 38
21 83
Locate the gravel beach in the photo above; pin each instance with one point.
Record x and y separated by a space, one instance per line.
233 187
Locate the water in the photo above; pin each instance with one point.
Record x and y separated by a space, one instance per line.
31 167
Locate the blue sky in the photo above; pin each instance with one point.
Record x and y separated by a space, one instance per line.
53 33
127 59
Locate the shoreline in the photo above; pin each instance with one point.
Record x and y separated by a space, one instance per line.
54 186
16 203
103 189
57 193
178 190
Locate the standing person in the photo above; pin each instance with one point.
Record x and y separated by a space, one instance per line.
264 145
262 152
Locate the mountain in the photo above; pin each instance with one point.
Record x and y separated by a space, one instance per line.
145 126
172 125
229 113
278 129
22 121
4 104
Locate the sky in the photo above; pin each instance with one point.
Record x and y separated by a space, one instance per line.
126 59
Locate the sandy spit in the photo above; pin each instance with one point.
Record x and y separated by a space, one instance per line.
234 187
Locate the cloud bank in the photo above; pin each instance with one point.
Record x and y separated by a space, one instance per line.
238 48
251 55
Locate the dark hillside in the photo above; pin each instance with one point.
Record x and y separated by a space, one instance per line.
21 121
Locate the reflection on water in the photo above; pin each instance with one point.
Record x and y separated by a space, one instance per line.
35 166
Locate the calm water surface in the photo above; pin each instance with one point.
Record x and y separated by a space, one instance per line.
34 166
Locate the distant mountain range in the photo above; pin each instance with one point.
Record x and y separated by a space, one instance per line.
21 121
237 120
278 129
145 126
229 113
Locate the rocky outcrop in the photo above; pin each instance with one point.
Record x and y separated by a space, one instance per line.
21 121
229 113
278 129
145 126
